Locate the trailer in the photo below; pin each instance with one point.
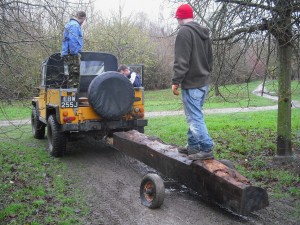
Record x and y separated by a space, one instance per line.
210 178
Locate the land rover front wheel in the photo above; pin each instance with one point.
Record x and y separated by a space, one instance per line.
57 141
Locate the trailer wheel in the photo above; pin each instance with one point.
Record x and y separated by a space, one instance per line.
57 141
37 127
152 191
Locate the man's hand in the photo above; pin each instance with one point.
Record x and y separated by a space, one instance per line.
174 88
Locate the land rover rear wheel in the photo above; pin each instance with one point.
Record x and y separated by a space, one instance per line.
37 127
57 141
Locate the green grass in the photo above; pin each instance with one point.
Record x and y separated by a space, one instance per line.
15 110
33 192
232 96
272 86
34 187
247 139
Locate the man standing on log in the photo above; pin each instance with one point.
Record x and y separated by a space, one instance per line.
71 48
192 67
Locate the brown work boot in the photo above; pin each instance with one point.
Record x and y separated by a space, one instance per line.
183 150
187 150
201 155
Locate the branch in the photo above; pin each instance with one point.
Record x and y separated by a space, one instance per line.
251 29
248 3
294 6
20 2
42 5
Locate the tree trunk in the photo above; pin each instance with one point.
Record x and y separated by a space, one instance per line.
284 38
217 91
284 147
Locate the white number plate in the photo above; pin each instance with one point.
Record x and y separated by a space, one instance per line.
68 102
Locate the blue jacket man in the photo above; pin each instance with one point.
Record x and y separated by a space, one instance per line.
72 46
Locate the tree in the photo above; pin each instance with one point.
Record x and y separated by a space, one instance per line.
134 41
30 31
238 20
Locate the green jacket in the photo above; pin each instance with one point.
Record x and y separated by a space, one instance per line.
193 56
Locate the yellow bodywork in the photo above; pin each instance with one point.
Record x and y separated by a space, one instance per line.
51 98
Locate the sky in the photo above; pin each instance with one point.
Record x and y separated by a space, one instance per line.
153 8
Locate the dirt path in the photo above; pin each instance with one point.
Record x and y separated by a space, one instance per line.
110 182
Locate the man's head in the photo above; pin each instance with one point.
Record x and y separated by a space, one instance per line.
123 69
80 16
184 14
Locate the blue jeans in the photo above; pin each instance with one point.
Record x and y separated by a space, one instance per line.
198 137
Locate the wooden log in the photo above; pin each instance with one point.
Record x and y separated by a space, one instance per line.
209 178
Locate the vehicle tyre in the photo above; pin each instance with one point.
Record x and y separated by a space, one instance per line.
57 141
37 127
152 191
111 95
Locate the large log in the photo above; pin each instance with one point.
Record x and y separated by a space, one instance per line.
210 178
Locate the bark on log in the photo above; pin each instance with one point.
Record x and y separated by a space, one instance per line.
209 178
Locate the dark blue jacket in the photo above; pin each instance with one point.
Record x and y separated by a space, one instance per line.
135 79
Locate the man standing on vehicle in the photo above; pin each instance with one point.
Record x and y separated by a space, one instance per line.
71 47
192 67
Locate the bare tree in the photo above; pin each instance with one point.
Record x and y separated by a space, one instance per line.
134 40
30 30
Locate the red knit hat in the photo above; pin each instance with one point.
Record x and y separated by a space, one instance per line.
184 11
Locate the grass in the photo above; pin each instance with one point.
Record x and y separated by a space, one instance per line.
11 110
34 188
32 191
231 96
272 86
247 139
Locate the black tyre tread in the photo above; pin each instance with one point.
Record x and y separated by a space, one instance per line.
56 146
38 127
159 191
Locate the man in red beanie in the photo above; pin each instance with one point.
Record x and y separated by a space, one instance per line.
192 67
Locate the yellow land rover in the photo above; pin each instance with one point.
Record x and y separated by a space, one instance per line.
106 102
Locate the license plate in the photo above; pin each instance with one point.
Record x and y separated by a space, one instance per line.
68 102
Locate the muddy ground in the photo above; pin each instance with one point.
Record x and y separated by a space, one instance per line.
109 182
